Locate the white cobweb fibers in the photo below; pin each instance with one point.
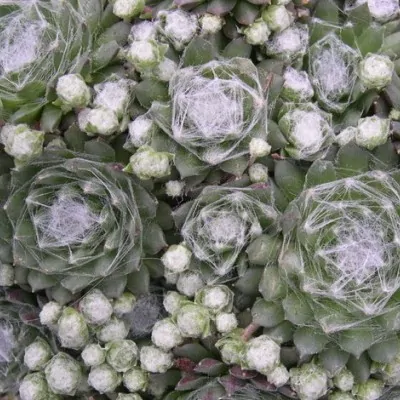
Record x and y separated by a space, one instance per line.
147 311
349 242
382 10
7 343
38 41
333 72
217 232
65 222
214 108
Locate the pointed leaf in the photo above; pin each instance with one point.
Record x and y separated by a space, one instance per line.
211 367
385 351
245 13
149 90
100 149
371 39
289 178
50 119
231 384
237 48
239 373
320 172
193 351
199 51
104 55
352 160
360 367
235 166
139 282
27 114
191 382
221 7
188 164
309 341
356 341
75 138
153 238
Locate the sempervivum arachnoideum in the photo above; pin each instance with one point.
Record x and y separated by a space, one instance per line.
74 221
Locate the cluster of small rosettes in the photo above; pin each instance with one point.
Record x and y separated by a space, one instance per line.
198 94
348 245
98 328
217 232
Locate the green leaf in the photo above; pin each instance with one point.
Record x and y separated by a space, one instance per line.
267 314
356 341
27 114
264 250
320 172
75 283
153 238
371 39
108 18
249 281
281 333
327 10
391 45
199 51
333 359
50 119
75 138
275 137
385 157
91 11
33 90
289 178
150 90
245 13
211 367
385 351
271 284
309 341
193 351
352 160
38 281
360 367
179 214
235 166
164 216
139 281
104 55
113 286
237 48
187 163
100 149
360 18
297 311
221 7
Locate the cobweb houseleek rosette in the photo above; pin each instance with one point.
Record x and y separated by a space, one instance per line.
307 129
223 221
229 89
333 67
341 243
39 41
75 221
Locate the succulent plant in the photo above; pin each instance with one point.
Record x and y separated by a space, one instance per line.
75 221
